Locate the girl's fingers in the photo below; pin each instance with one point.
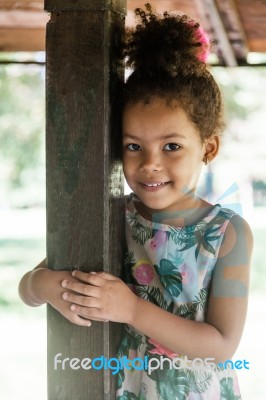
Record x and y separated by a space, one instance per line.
76 319
88 313
94 278
78 287
107 276
85 301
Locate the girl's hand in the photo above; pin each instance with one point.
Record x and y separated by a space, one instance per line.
54 295
42 285
100 296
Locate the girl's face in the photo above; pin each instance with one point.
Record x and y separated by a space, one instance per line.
162 155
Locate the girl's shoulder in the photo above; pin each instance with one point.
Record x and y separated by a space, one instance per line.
237 235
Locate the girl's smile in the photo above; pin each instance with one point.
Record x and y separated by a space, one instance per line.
154 186
162 155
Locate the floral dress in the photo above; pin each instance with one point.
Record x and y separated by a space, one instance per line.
171 267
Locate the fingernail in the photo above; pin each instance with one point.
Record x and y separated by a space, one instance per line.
93 272
74 273
64 283
89 324
72 307
65 295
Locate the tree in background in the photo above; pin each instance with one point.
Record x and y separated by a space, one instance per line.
243 152
21 132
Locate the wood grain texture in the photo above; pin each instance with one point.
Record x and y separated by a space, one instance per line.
22 39
249 15
67 5
85 210
21 5
253 17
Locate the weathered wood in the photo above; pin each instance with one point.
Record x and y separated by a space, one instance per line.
248 16
21 5
84 184
234 28
68 5
224 46
22 39
253 17
23 19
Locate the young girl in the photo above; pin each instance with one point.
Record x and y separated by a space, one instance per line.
187 261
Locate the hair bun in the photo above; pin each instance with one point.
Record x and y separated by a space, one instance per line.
166 44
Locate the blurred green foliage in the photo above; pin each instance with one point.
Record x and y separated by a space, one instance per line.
21 121
238 87
16 258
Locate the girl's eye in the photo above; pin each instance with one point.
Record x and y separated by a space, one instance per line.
133 147
171 147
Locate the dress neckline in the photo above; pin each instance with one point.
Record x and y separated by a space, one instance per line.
131 208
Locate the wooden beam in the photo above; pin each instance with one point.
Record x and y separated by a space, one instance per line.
21 5
85 207
234 28
21 19
22 30
22 39
211 14
178 6
82 5
253 18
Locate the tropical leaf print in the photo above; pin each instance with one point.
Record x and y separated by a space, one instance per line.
124 347
128 396
227 390
199 381
166 267
120 378
171 384
135 340
152 294
179 236
128 262
129 258
221 217
202 238
170 277
140 233
189 310
201 299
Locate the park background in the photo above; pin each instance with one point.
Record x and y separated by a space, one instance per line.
239 182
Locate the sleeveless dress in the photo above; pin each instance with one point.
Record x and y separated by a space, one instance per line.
171 267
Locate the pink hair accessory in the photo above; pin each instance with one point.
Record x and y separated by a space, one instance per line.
203 38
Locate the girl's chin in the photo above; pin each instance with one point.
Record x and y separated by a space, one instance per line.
156 206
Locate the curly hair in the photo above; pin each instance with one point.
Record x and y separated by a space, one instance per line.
168 56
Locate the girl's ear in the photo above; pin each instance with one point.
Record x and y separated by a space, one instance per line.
212 146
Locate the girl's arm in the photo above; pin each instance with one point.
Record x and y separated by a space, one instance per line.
107 297
43 285
218 337
31 288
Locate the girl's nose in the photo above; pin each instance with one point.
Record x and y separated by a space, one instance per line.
150 162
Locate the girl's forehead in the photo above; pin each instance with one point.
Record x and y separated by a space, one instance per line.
155 110
157 121
153 103
157 115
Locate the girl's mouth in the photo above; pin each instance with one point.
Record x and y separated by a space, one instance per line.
153 186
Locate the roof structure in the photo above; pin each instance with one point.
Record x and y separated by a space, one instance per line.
236 27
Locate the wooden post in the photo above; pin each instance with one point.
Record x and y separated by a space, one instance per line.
84 179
